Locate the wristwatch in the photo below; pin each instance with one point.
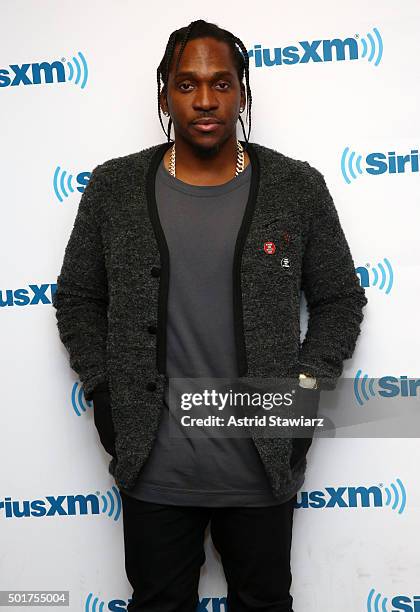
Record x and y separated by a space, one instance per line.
307 381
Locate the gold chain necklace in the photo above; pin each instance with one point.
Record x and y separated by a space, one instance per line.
240 159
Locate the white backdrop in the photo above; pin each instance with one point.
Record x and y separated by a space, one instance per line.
351 558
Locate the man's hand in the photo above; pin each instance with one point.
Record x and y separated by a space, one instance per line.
102 416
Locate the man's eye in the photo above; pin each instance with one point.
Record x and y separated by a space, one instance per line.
181 85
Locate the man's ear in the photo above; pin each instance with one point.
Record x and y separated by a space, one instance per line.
163 102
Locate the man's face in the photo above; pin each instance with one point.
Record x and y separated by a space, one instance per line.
205 85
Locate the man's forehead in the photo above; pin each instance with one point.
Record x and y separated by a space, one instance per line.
196 74
204 52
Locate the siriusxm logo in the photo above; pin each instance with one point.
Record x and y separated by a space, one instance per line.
377 163
206 604
376 602
380 276
355 497
369 47
73 71
65 183
36 294
387 386
65 505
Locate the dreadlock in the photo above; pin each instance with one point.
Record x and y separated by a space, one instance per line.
201 29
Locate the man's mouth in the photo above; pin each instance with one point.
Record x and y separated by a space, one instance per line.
206 127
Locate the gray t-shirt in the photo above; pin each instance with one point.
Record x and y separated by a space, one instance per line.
201 224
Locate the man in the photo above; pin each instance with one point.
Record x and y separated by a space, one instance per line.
186 260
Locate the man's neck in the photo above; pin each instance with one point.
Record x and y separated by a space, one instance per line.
192 170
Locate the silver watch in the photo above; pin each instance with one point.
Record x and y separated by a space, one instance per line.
308 382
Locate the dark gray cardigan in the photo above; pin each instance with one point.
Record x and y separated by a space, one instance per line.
111 295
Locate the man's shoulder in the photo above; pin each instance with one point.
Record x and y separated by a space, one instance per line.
126 165
273 162
285 166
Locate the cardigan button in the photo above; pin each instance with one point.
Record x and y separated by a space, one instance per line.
151 386
155 271
152 329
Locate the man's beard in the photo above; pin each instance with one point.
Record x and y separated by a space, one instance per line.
207 152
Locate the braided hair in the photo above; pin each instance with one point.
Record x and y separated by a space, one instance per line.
200 29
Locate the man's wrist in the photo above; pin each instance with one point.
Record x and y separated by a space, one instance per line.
307 381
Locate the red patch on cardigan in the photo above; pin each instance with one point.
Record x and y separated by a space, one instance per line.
269 248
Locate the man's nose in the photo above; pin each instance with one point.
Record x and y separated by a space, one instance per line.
205 98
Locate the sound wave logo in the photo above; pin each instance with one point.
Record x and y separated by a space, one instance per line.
396 498
383 278
363 386
377 603
93 604
111 502
372 47
78 400
382 275
350 165
78 70
62 184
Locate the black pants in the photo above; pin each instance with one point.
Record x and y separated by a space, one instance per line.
164 550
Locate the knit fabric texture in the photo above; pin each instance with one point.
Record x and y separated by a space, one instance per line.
114 280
